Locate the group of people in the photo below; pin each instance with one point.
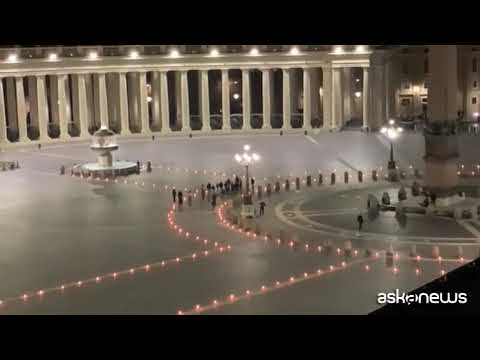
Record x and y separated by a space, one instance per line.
214 190
226 187
179 196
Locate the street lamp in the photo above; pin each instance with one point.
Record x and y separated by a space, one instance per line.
392 133
247 159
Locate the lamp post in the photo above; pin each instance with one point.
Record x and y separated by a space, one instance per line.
392 133
247 159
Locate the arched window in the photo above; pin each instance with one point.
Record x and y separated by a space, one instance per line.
474 65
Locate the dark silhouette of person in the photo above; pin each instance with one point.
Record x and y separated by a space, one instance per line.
214 201
262 208
360 222
174 195
203 192
180 199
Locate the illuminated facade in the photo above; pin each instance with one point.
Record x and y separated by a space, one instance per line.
68 93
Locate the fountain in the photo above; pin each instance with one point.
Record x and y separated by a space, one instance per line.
103 144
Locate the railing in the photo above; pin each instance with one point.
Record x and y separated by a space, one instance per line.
256 121
296 120
196 124
216 122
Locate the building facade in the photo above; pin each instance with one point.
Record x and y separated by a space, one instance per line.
67 93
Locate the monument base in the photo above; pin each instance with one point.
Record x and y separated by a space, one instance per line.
455 206
117 168
393 175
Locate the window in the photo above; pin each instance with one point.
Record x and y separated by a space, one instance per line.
425 66
475 84
474 65
405 68
425 85
474 100
406 85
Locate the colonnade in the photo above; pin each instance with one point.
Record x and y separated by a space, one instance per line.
42 107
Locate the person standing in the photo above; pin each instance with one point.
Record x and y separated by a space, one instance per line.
174 195
180 199
203 192
360 222
214 201
262 208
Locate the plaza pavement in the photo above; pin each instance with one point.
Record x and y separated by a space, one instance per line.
56 229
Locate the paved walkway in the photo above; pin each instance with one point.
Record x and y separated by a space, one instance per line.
59 230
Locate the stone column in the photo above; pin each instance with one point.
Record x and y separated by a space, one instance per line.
82 105
53 100
143 102
388 107
42 107
185 102
62 106
441 142
337 99
164 106
32 92
307 99
226 101
327 97
347 93
378 99
38 105
246 101
100 101
21 110
205 101
133 101
266 99
178 98
287 105
123 104
3 117
155 103
366 97
315 99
